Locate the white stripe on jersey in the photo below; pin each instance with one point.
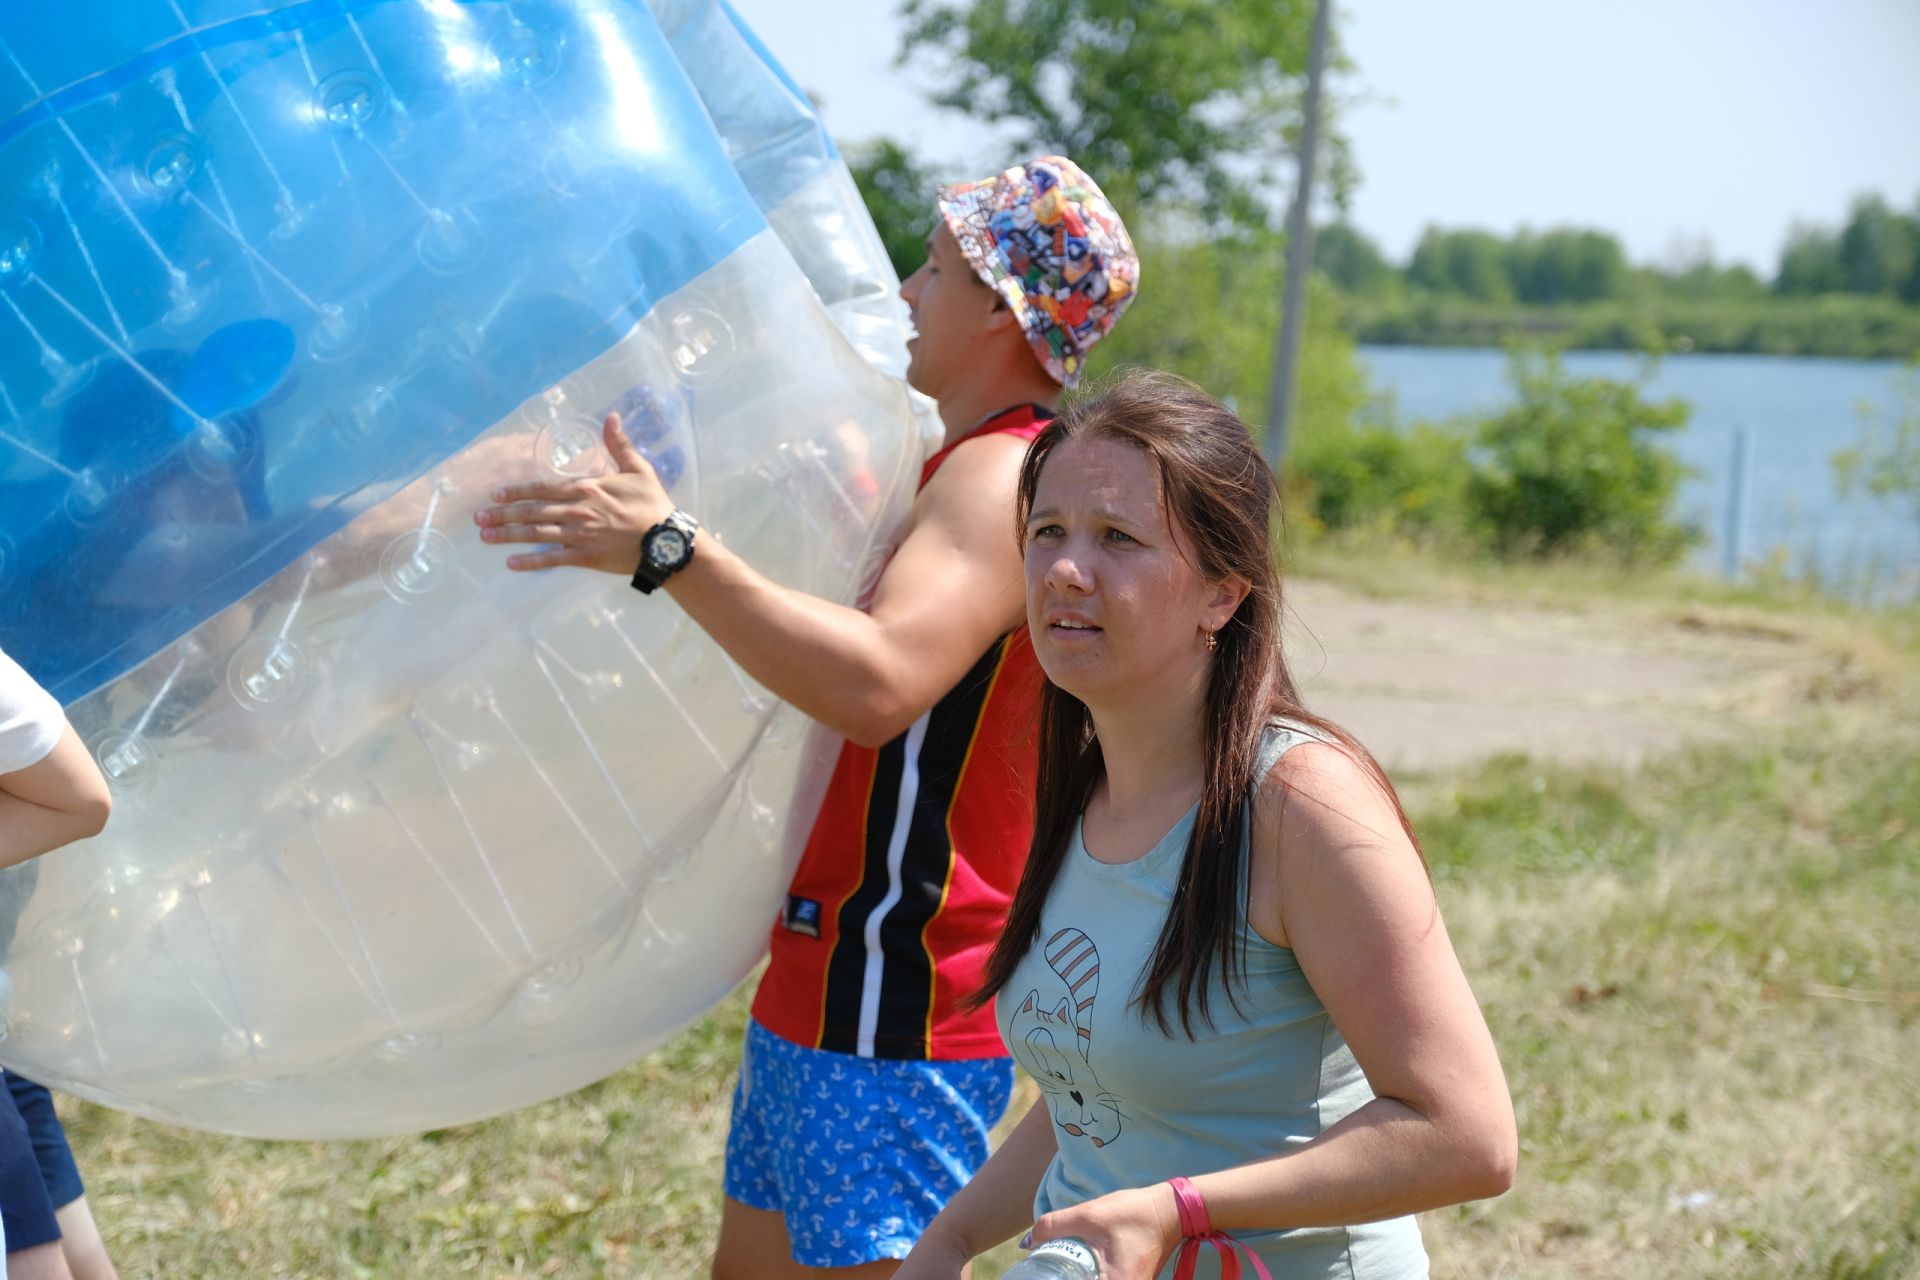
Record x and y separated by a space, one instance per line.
896 852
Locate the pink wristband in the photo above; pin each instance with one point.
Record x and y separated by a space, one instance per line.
1196 1229
1194 1223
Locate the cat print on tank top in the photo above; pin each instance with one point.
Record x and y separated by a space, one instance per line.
1051 1035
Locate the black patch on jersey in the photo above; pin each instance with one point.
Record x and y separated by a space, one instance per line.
803 916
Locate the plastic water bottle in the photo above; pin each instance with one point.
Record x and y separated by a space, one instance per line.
1068 1259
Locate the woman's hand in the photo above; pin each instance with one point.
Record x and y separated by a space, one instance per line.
594 522
1133 1232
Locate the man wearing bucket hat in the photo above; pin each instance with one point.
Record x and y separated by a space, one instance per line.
866 1091
1055 252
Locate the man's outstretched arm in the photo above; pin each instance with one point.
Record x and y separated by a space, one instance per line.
950 590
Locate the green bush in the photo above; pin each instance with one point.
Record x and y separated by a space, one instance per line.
1884 463
1374 475
1575 465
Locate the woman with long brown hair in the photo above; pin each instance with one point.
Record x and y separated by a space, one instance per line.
1225 966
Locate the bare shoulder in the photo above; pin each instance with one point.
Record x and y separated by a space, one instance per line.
1320 797
975 485
979 459
1325 773
958 554
1327 841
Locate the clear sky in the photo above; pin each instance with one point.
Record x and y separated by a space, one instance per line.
1664 121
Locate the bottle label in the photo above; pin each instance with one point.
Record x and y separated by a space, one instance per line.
1070 1249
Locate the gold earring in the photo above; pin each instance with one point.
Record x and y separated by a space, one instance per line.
1213 642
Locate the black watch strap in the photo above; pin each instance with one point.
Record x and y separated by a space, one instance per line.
665 550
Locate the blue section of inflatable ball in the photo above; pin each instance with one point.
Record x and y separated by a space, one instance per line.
257 268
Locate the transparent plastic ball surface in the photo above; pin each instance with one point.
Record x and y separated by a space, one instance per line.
402 839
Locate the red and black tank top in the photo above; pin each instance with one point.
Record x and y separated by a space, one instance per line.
911 866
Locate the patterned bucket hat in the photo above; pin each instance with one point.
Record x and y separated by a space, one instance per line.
1049 242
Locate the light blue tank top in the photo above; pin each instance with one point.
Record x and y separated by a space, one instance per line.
1133 1106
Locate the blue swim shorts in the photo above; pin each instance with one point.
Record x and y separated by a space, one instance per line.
858 1154
37 1173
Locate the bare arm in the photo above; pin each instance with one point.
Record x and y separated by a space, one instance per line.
61 799
1335 878
996 1205
1353 900
953 586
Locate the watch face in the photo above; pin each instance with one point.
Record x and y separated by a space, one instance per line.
667 548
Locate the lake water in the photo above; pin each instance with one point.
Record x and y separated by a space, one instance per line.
1796 413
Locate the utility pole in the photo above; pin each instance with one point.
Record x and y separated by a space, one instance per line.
1293 306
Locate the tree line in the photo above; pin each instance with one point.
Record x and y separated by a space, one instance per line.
1875 254
1847 291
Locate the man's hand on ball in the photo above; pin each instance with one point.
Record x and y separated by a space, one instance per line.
594 522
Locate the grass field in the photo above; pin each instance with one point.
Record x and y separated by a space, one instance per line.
1703 975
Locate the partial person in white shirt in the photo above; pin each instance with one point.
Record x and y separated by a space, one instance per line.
51 794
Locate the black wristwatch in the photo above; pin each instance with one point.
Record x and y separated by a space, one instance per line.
665 550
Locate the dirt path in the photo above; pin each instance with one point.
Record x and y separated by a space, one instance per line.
1429 685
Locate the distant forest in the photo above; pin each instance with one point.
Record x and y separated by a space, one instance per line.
1851 291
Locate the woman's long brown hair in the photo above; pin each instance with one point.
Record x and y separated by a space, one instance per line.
1220 491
